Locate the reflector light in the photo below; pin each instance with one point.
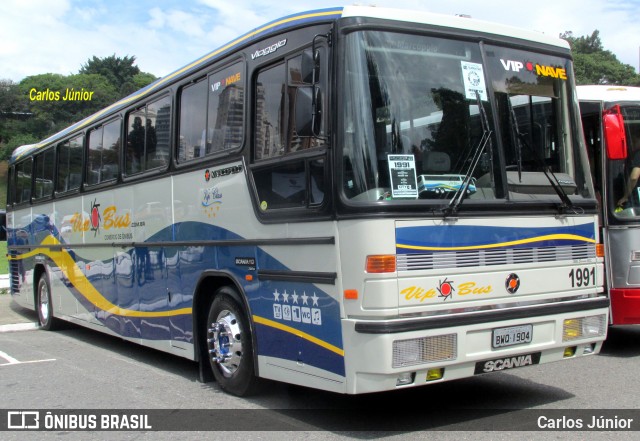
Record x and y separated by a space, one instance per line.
351 294
381 264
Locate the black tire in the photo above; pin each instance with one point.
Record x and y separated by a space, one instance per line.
232 365
44 305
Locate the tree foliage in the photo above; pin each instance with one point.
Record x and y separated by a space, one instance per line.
118 71
595 65
25 117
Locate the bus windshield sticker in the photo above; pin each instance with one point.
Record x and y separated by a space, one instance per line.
473 76
402 170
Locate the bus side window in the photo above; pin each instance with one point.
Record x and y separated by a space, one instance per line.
44 166
292 181
103 150
69 165
148 137
23 181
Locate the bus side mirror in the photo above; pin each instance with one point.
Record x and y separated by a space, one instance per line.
308 111
310 67
614 134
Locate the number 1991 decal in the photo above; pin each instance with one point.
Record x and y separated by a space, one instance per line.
582 277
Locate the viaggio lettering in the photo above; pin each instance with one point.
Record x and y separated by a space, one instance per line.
268 50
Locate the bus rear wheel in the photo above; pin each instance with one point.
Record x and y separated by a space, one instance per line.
44 305
229 345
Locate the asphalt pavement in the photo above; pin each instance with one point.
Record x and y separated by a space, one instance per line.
12 316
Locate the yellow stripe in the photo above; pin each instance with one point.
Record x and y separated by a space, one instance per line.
502 244
294 331
68 266
164 80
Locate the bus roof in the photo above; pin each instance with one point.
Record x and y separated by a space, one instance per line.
315 16
453 21
608 93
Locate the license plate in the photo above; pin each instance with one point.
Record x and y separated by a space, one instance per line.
513 335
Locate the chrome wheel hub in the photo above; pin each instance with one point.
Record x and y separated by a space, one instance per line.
44 303
224 342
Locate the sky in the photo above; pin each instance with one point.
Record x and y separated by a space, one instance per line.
58 36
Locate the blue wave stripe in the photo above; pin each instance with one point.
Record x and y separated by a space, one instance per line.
443 238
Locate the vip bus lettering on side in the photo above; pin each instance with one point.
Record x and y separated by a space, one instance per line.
295 206
611 124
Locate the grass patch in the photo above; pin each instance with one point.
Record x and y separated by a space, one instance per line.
4 264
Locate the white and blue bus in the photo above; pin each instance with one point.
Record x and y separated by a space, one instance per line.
258 210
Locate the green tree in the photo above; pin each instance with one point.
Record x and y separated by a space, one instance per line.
30 113
13 109
46 93
17 141
595 65
120 72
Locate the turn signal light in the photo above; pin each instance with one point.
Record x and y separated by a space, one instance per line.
599 250
381 264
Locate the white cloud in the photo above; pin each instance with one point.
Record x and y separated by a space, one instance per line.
179 21
39 36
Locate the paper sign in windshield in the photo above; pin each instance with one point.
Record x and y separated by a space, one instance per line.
473 76
402 170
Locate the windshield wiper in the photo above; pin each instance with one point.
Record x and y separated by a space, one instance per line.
459 195
521 139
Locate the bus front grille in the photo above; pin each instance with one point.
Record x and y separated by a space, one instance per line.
480 258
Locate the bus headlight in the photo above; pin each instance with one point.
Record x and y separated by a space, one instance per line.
583 327
424 350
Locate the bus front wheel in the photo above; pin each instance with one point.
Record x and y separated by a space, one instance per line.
229 345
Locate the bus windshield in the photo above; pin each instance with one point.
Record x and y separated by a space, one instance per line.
431 119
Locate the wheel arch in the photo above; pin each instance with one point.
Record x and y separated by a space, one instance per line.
207 287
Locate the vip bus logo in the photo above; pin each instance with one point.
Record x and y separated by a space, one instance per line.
445 290
95 217
109 219
211 201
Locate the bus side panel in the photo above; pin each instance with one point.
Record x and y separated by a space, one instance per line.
71 263
151 223
208 206
624 275
20 234
296 321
